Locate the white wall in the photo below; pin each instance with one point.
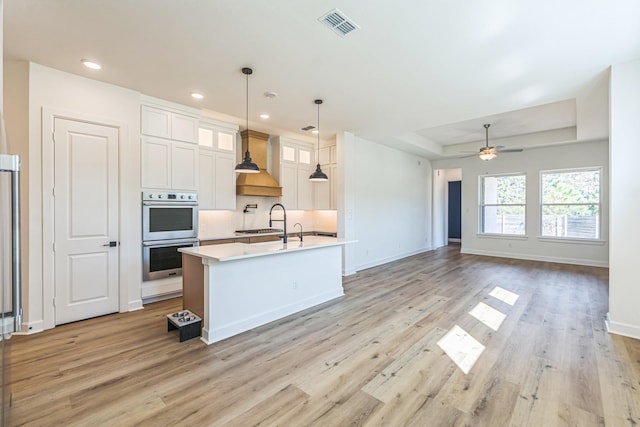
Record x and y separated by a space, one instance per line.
391 203
531 162
91 100
624 286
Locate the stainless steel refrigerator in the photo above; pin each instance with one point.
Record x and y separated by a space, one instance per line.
10 301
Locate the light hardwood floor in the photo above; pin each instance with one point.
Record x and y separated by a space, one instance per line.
370 358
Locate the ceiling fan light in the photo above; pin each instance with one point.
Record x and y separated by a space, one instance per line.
487 155
486 152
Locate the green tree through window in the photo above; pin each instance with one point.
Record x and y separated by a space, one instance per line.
570 205
503 204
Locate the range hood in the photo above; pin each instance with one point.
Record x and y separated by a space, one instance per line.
257 184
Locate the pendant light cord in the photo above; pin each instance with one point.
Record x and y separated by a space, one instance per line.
318 133
247 112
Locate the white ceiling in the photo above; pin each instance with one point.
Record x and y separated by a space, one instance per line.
418 74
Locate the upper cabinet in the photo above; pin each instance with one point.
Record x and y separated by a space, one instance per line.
292 163
328 155
169 124
169 145
325 192
217 158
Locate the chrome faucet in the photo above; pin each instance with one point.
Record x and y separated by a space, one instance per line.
294 225
284 220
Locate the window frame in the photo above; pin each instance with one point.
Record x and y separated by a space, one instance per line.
596 239
482 205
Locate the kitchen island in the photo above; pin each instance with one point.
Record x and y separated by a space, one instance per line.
236 287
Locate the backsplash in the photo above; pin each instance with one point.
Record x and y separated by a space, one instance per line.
214 224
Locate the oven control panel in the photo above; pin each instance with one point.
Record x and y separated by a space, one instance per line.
169 197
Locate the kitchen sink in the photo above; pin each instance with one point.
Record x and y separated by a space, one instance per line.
260 231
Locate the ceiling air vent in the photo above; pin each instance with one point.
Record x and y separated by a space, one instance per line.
338 22
308 127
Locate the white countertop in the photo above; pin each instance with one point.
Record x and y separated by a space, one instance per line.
236 251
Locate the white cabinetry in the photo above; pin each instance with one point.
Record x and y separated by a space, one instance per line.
325 192
169 146
169 164
292 165
169 124
217 156
156 163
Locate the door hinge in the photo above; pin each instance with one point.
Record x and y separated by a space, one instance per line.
54 301
54 246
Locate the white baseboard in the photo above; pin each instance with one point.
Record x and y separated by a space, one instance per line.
391 258
624 329
161 297
135 305
29 328
528 257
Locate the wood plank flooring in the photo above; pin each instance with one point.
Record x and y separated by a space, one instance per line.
370 358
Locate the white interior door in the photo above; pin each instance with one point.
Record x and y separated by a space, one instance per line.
86 220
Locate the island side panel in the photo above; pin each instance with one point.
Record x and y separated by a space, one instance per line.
193 284
247 293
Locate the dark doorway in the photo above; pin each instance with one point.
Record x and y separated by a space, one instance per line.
455 209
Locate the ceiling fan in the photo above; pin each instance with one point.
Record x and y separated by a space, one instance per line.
488 153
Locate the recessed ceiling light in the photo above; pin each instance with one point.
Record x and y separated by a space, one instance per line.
264 115
197 95
91 64
314 131
270 94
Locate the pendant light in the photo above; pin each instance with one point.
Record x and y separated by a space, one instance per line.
247 165
318 175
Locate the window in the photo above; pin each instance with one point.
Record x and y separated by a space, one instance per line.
570 204
503 204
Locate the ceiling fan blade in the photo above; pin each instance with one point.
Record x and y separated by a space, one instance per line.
509 150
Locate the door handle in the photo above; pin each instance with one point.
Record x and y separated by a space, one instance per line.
111 244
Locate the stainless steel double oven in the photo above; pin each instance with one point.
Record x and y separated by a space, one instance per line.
169 222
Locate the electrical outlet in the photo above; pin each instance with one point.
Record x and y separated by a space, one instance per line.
295 285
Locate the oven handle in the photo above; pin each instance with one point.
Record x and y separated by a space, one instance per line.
169 242
169 203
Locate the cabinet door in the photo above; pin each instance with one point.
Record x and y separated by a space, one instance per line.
322 190
288 154
304 157
155 122
225 181
305 189
333 175
156 163
184 128
226 141
288 182
184 166
206 181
